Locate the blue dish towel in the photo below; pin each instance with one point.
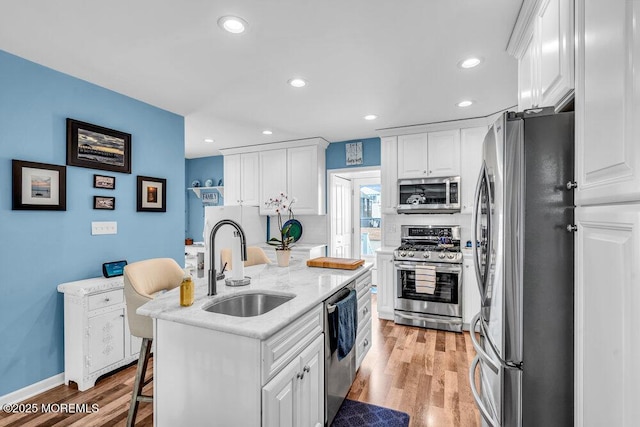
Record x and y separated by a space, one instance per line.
347 309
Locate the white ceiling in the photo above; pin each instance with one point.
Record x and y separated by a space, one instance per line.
396 59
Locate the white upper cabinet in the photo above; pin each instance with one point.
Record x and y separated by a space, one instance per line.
432 154
471 140
607 101
241 174
543 43
273 177
305 179
389 174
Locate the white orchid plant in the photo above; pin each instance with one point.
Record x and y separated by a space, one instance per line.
282 206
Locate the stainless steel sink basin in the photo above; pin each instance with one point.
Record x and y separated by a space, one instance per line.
248 305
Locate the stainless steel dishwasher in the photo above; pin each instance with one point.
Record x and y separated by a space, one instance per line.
338 374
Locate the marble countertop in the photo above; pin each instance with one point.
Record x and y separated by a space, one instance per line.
310 286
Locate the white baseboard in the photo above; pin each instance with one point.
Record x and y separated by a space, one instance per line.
385 314
33 389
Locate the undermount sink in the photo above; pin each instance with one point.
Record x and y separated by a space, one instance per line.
248 305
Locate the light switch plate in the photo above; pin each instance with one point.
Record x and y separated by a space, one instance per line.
104 227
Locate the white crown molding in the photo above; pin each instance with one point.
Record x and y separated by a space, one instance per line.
32 390
321 142
523 27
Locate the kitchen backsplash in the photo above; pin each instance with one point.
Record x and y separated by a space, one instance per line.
391 225
314 228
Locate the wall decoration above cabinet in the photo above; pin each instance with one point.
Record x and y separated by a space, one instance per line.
39 186
96 147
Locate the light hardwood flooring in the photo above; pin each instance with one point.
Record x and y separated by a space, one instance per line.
422 372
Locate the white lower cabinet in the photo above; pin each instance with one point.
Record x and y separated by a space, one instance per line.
470 292
295 397
363 334
386 280
96 334
607 297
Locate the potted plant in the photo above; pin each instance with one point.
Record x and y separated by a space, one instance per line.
282 205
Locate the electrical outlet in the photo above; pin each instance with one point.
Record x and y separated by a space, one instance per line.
104 227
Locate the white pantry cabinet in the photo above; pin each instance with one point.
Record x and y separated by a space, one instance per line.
607 298
607 101
471 140
389 174
543 43
96 333
386 281
241 177
432 154
295 397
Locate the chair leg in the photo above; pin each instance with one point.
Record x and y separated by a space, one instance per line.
136 394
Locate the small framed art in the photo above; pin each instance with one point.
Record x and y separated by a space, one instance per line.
39 186
152 194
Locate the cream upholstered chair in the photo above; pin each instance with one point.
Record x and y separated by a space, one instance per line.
255 256
142 280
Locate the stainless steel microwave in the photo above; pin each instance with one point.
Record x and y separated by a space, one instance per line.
429 195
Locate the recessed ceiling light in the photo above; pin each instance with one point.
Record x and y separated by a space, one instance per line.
208 140
370 117
232 24
465 103
297 82
470 62
267 132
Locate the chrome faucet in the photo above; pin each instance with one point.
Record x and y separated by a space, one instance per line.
212 249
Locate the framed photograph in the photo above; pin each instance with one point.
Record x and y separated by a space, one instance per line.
107 182
354 153
39 186
152 194
95 147
101 202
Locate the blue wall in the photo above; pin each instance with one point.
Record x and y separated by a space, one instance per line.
41 249
202 169
336 154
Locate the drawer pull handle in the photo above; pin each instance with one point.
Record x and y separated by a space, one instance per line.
300 375
107 299
366 310
306 369
365 343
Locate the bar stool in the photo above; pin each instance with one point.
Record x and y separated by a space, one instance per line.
142 280
255 256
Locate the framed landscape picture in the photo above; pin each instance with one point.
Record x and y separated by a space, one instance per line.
39 186
106 182
152 194
96 147
102 202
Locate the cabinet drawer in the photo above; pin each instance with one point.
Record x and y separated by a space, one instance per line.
363 344
106 299
282 347
364 310
363 283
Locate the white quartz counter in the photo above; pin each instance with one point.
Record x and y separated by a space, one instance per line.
310 286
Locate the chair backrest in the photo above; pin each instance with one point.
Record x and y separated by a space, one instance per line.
142 280
255 256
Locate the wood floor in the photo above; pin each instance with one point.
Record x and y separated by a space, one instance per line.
421 372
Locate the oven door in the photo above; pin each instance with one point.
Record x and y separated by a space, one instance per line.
444 301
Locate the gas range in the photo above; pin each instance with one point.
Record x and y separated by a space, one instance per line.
431 243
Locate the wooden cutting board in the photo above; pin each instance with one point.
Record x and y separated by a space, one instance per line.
341 263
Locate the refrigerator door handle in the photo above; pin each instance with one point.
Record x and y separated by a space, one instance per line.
483 178
476 395
495 367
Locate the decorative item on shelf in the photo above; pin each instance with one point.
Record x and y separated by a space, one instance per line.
188 241
282 205
208 183
220 182
195 183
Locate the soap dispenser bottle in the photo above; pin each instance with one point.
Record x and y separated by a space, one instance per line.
187 290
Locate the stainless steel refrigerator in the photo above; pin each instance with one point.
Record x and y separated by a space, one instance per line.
523 223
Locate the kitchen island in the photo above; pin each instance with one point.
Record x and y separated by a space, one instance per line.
218 369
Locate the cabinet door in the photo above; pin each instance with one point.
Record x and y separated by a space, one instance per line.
471 140
106 337
311 395
302 180
273 177
386 280
607 297
444 153
556 50
389 174
249 180
279 397
607 101
412 156
232 180
471 293
526 76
